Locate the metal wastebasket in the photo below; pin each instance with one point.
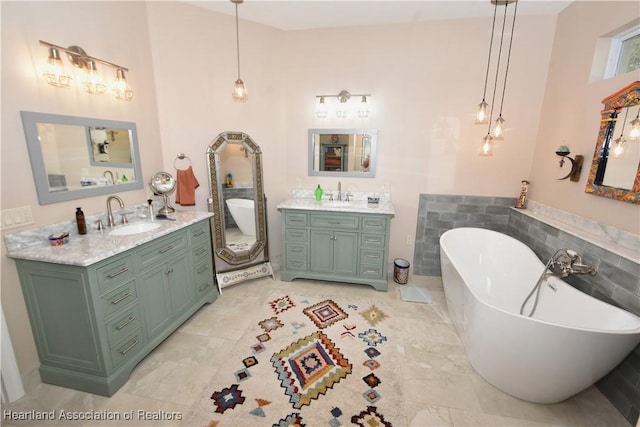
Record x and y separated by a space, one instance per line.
401 270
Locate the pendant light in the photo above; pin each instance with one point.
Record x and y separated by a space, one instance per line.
619 148
239 93
499 125
481 114
634 132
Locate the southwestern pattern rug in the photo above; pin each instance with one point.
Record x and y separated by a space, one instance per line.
309 362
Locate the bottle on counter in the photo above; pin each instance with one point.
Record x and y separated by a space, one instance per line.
82 225
319 192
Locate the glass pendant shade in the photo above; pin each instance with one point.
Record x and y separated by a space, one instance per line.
619 147
481 115
498 128
54 73
342 110
634 132
92 81
321 109
487 146
239 93
364 110
121 87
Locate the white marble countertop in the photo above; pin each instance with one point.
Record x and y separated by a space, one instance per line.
357 206
87 249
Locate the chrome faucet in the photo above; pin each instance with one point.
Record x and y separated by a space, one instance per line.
569 262
339 190
109 212
111 181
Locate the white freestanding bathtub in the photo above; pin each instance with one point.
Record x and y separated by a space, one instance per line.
571 341
242 211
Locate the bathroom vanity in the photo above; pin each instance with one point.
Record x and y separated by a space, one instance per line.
340 241
99 304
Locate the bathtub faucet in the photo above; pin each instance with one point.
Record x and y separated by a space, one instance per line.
566 262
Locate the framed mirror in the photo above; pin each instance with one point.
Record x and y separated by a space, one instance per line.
237 201
343 152
77 157
615 169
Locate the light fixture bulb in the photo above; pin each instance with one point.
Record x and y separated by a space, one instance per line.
342 110
321 109
619 147
486 149
54 73
364 110
92 81
634 132
481 114
121 87
239 92
498 128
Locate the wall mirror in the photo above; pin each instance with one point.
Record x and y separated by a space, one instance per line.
237 201
343 152
615 169
77 157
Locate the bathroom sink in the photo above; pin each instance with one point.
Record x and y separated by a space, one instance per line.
140 227
336 203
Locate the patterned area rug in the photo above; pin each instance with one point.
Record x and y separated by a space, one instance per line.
308 362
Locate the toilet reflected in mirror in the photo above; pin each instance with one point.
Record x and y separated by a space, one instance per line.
238 204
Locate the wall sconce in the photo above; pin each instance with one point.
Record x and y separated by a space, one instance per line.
342 109
56 75
576 164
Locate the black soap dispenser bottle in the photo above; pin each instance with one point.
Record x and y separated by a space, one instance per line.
82 225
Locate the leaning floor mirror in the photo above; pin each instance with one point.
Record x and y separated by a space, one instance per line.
237 201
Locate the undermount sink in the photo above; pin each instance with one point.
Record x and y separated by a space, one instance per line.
140 227
336 203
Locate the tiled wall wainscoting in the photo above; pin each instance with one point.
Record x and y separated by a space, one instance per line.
617 282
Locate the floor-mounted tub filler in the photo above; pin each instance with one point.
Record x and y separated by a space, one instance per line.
570 342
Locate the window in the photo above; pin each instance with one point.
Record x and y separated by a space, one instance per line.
624 53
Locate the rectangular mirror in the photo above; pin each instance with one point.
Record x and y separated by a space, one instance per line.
77 157
342 152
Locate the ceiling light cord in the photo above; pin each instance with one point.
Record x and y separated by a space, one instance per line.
486 77
237 41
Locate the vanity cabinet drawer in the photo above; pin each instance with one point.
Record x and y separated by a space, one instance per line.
335 222
373 240
161 250
127 348
294 219
296 235
201 252
204 280
372 271
118 298
199 231
296 256
375 258
372 224
123 324
115 273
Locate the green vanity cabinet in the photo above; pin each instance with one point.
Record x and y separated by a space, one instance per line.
343 247
93 324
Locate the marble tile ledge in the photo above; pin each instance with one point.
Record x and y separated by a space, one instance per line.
620 242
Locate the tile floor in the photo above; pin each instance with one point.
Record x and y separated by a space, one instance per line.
440 387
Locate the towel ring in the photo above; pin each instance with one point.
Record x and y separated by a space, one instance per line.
181 156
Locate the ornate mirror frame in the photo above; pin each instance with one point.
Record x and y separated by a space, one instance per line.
629 96
256 253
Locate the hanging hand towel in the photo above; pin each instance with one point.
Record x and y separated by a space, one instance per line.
186 187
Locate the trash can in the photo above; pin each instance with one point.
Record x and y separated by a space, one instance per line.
401 270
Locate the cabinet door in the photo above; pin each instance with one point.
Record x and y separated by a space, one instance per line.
321 248
154 288
345 249
181 289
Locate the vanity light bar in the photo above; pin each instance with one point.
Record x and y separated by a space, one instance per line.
342 109
56 76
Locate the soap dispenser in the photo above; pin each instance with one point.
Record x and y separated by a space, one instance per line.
80 221
319 192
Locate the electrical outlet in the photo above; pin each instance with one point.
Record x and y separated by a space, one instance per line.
16 217
409 239
385 188
298 183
